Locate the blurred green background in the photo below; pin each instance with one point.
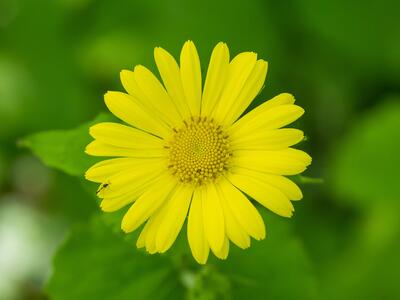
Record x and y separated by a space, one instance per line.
341 59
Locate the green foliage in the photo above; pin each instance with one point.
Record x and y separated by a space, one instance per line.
366 165
96 263
275 268
64 149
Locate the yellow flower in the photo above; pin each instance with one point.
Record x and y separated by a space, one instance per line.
188 151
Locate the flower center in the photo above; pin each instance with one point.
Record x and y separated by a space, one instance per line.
198 151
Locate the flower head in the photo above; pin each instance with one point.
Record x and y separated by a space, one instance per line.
187 152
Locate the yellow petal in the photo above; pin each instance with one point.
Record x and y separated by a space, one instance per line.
97 148
147 203
273 118
195 228
128 81
142 85
216 76
103 170
171 76
234 230
124 136
174 218
150 230
213 217
266 194
131 180
245 213
114 204
153 95
128 109
141 241
275 139
282 162
223 252
285 185
249 91
281 99
191 77
239 70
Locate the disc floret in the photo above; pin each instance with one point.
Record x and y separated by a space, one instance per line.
199 151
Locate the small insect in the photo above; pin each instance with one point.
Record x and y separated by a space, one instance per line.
102 187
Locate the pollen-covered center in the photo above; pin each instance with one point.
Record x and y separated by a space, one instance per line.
198 151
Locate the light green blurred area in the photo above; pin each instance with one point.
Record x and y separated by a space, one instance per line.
341 60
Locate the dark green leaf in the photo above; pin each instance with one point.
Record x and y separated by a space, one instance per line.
275 268
96 263
64 149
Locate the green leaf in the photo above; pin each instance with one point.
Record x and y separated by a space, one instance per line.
275 268
96 263
365 167
64 149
